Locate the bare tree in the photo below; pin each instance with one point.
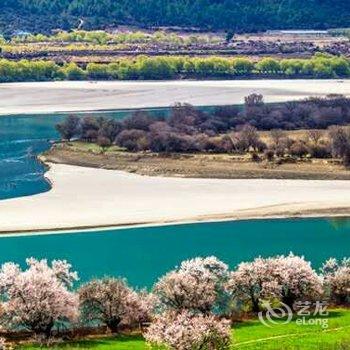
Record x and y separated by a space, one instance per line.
315 135
69 128
340 142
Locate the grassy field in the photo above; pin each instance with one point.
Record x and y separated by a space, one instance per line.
249 335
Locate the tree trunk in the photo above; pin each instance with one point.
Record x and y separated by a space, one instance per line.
113 324
289 301
255 305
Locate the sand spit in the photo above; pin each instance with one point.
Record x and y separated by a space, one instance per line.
64 96
88 197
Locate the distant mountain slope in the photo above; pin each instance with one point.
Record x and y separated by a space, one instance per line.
237 15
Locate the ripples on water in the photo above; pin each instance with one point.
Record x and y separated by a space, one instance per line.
22 138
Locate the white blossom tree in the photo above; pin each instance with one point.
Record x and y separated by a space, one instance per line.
197 285
38 298
112 302
296 279
289 278
185 331
337 279
253 282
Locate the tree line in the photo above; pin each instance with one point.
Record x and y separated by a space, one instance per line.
170 67
237 15
100 37
228 129
188 308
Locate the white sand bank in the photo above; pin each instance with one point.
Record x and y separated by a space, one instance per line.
87 197
20 98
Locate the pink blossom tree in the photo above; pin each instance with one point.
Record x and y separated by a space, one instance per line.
111 302
253 281
197 285
296 279
185 331
337 279
289 278
38 298
143 311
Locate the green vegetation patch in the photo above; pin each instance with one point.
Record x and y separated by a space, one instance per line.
174 67
250 334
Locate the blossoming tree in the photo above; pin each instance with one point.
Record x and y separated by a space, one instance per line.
185 331
289 278
111 301
253 281
38 298
337 279
197 285
296 279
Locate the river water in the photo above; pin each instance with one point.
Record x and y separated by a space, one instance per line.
143 254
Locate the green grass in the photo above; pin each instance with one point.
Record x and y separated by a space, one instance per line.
252 335
120 343
91 147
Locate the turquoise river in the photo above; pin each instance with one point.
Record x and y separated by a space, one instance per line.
143 254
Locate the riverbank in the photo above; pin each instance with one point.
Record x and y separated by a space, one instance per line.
87 197
193 165
80 96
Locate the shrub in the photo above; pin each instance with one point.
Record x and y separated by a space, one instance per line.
133 140
319 151
69 128
248 138
139 121
103 142
269 155
298 149
90 127
73 72
268 66
110 129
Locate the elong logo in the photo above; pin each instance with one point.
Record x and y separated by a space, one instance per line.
308 314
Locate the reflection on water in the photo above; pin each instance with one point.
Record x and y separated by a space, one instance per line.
339 223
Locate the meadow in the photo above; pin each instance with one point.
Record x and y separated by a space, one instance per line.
247 335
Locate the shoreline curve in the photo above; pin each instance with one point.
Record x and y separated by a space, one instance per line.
84 199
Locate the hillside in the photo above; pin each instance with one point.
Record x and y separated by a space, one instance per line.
235 15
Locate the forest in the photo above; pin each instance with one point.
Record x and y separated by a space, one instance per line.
233 15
